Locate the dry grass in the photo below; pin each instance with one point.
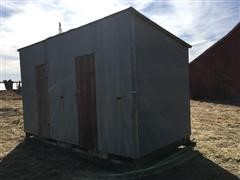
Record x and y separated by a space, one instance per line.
215 127
10 95
11 125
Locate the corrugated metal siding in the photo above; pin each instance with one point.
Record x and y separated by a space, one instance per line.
113 77
28 59
110 42
215 74
162 89
162 84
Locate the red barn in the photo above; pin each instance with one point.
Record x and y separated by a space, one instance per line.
215 74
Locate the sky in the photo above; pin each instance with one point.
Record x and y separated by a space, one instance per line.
23 22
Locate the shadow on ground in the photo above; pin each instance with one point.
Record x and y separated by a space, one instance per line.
35 160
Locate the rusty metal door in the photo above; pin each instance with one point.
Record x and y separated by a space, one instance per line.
42 100
86 101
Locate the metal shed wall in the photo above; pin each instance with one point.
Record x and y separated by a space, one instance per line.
110 39
28 59
141 84
162 88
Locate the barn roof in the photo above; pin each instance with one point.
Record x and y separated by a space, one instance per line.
236 27
130 9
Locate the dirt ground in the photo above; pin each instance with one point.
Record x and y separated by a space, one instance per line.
215 128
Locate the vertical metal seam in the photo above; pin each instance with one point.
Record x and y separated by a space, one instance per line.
45 60
134 85
189 103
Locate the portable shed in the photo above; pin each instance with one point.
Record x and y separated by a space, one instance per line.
215 73
118 85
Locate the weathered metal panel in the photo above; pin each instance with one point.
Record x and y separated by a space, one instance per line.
86 101
62 51
28 59
42 100
109 40
114 86
215 73
141 79
162 88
